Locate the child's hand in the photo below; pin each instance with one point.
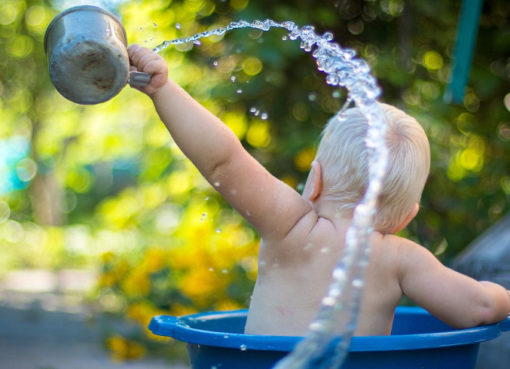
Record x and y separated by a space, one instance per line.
146 60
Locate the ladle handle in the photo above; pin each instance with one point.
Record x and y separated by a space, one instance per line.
139 79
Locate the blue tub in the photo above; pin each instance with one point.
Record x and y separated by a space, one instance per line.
418 341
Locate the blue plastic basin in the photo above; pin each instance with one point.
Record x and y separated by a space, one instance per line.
418 341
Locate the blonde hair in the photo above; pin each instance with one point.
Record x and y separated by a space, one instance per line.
343 156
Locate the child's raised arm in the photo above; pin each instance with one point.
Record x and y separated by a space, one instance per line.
455 298
271 206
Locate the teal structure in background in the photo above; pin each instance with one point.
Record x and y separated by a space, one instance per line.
14 152
464 48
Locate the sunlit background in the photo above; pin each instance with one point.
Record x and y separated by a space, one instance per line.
103 189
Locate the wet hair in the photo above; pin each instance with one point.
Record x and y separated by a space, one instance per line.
343 156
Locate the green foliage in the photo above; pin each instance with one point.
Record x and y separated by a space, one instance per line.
109 188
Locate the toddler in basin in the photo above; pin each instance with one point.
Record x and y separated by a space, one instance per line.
302 236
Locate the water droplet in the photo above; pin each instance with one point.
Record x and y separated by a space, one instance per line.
284 38
312 96
178 26
218 230
217 184
211 269
226 336
243 348
358 283
204 215
339 273
215 63
336 94
316 326
332 80
263 116
224 271
253 109
233 78
328 301
289 25
334 292
197 42
328 36
154 24
239 91
293 35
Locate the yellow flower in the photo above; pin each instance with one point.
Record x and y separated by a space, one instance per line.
107 279
304 158
120 268
137 283
155 259
124 349
140 312
200 284
107 257
180 310
258 134
228 305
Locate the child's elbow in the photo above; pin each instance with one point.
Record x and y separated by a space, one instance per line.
496 307
490 315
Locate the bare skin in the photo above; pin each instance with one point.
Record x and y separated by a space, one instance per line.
302 235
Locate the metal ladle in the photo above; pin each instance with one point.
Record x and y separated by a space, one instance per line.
87 55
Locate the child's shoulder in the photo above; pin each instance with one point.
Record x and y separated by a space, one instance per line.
396 251
402 244
409 256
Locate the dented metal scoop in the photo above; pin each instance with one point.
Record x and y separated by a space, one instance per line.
87 55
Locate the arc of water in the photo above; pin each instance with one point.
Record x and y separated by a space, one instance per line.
340 307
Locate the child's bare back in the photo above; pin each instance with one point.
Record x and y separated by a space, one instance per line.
294 277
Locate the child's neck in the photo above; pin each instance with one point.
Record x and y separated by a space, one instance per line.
330 209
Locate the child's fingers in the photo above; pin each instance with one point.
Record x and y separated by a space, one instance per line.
146 59
142 58
155 66
136 53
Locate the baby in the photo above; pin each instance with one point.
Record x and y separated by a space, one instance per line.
302 236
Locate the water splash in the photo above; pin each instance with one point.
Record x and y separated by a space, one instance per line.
340 307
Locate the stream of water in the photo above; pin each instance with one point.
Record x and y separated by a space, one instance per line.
340 307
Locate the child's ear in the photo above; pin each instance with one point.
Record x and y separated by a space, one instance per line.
408 219
316 181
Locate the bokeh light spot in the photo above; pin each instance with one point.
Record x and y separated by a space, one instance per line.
432 60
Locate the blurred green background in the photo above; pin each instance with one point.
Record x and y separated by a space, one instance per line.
103 187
